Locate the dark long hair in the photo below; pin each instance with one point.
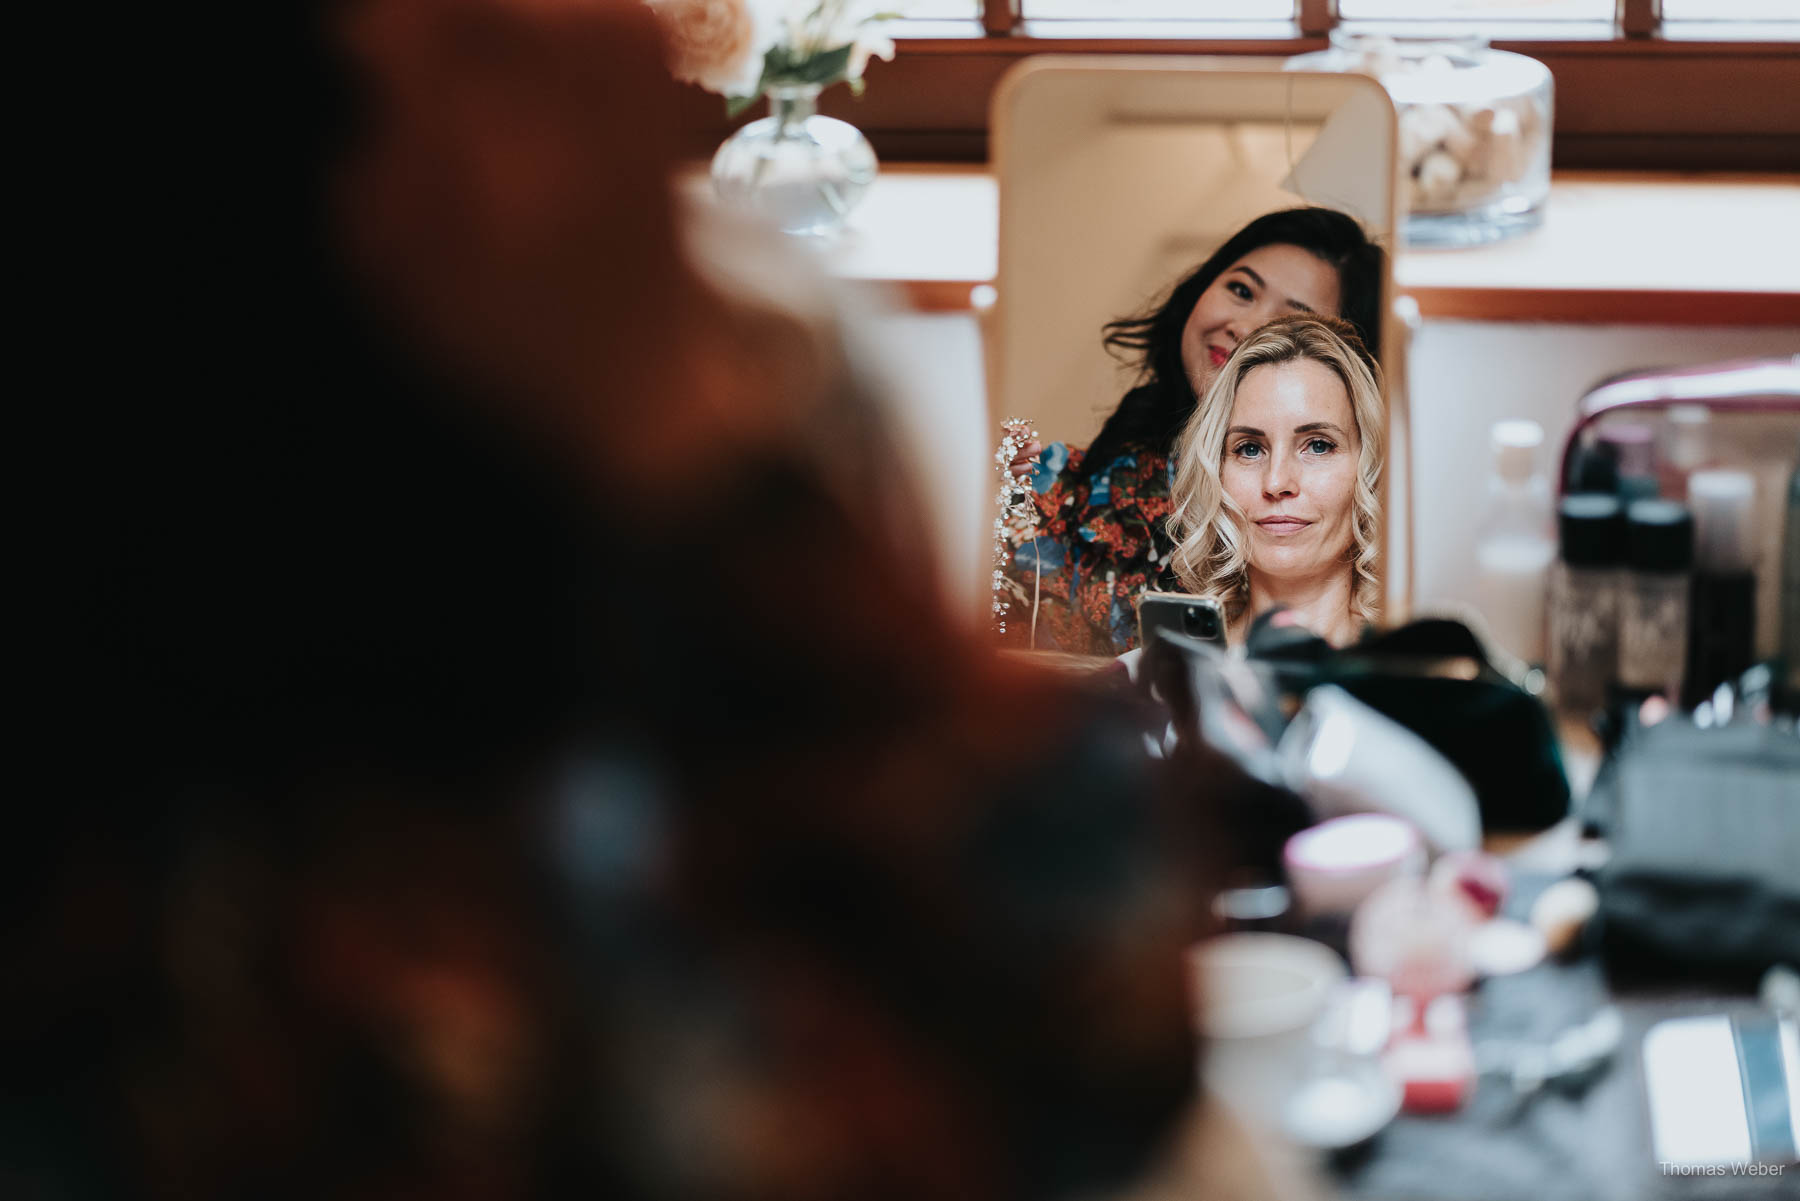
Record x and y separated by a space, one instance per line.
1155 411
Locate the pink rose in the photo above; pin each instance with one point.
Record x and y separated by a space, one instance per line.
713 43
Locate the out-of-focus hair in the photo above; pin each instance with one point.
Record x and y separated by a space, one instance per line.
509 694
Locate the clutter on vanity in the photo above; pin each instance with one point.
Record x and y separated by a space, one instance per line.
1476 999
1677 547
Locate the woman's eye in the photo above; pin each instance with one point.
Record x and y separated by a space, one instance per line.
1246 450
1240 289
1321 446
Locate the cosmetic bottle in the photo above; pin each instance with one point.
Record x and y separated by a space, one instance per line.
1790 585
1516 543
1722 626
1686 446
1593 467
1634 450
1653 600
1584 605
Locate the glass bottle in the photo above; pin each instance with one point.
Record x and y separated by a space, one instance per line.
1685 448
1722 628
1584 604
1633 449
1790 585
1653 602
1515 545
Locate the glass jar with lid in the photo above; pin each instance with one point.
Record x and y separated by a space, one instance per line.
1474 131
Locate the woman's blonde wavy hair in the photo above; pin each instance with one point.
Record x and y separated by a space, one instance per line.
1209 556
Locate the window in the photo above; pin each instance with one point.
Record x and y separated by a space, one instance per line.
1731 10
1701 20
1476 10
1758 19
1645 84
942 10
1161 10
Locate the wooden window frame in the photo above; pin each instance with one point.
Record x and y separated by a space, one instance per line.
1628 94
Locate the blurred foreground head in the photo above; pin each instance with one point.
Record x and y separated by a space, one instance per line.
521 754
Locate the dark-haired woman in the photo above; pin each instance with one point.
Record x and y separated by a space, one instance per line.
1097 538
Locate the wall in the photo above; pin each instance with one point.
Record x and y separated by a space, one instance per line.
940 420
1469 374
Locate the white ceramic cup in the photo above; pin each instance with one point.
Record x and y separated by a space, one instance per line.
1256 999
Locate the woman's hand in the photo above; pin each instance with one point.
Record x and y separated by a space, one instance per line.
1023 441
1022 462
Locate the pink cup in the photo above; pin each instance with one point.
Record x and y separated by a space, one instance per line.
1335 864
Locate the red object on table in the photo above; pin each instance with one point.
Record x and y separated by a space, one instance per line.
1432 1059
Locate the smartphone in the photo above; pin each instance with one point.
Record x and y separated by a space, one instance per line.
1724 1094
1195 616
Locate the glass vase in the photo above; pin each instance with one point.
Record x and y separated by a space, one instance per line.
800 170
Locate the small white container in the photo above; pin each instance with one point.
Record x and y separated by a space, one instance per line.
1256 999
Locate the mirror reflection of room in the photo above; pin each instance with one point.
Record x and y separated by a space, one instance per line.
1151 222
1114 518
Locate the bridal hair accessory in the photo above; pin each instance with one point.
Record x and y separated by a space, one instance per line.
1017 518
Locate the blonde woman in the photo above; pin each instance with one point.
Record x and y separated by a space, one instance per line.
1276 479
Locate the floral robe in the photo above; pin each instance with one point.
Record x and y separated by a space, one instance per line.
1088 550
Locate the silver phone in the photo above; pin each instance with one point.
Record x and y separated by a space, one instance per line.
1195 616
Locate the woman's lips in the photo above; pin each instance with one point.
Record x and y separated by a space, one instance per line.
1218 356
1283 525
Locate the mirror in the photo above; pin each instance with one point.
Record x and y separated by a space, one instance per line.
1642 435
1119 175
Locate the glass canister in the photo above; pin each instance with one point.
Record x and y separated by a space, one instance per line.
1474 131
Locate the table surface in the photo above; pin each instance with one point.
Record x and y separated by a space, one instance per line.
1586 1144
1590 1144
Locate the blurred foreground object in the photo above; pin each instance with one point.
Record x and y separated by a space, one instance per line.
519 750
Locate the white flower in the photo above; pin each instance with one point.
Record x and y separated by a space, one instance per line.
821 26
869 43
721 44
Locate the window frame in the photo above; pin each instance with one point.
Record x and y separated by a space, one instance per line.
1317 18
1629 93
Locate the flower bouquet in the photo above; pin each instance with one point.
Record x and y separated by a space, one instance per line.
804 171
743 48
